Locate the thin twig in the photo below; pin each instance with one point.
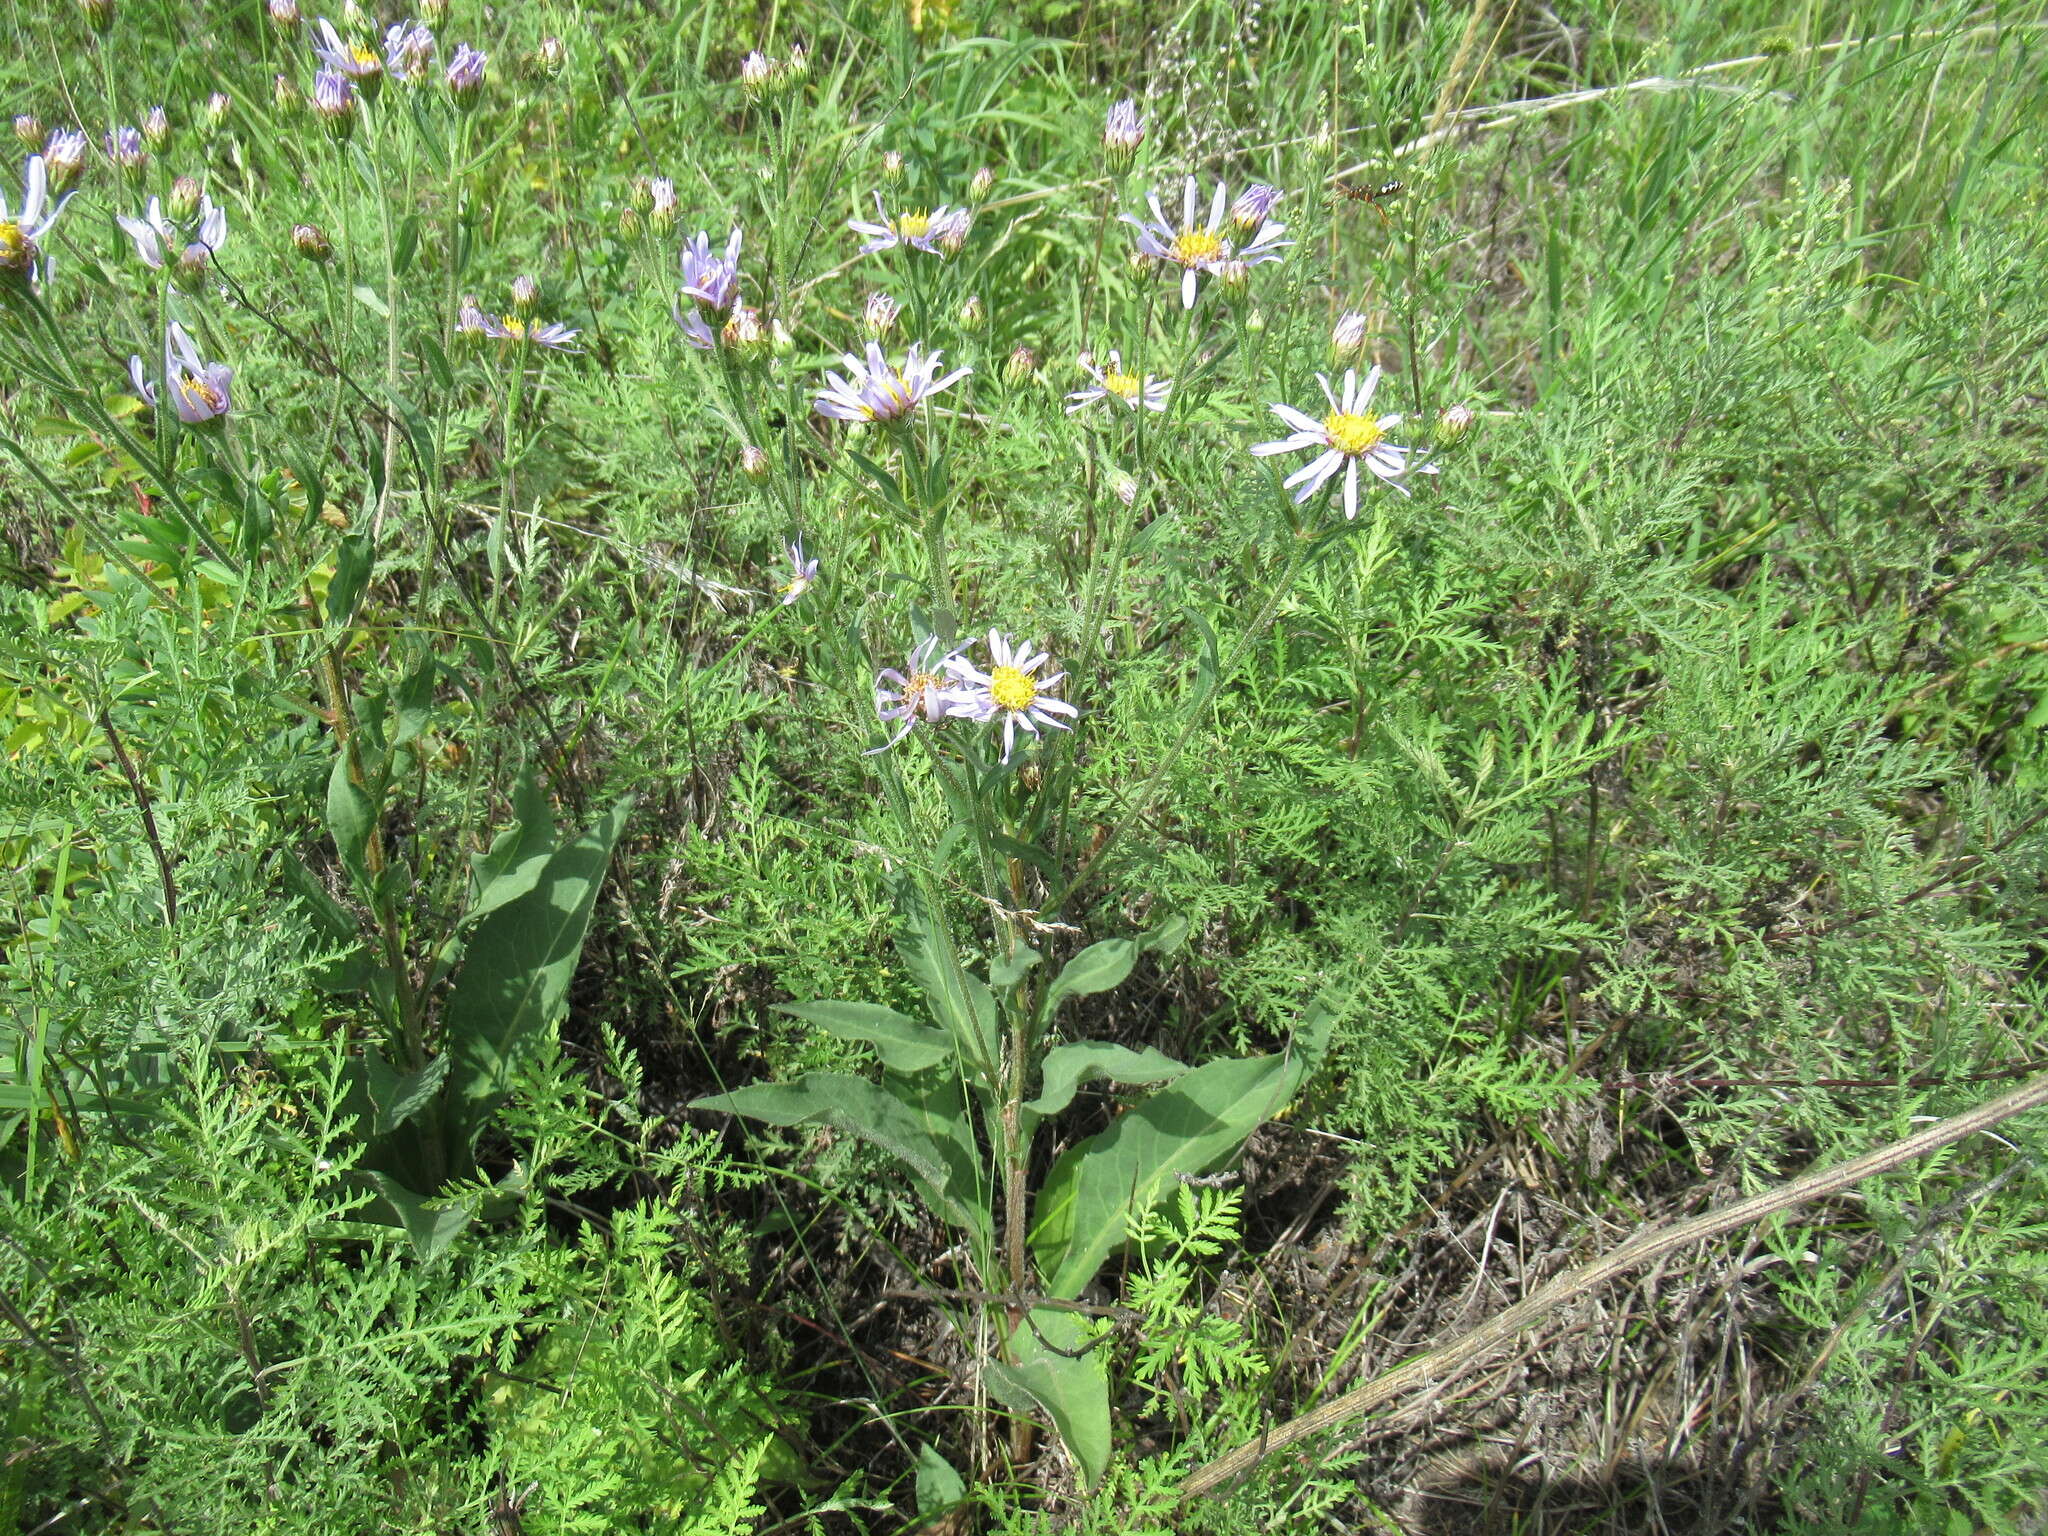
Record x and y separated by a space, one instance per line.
142 803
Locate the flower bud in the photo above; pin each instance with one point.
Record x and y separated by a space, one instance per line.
972 316
1122 133
433 12
98 14
310 241
1252 206
28 128
1126 487
217 108
1454 423
525 295
630 223
892 166
156 128
1021 367
284 14
469 319
184 199
780 342
1255 322
1233 274
334 99
755 73
1143 264
1323 143
551 55
1347 337
64 157
754 462
661 212
125 149
285 94
795 69
983 183
878 315
465 75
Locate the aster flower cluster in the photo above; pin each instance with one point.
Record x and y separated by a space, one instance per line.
1199 248
940 231
938 687
875 389
516 326
190 241
198 389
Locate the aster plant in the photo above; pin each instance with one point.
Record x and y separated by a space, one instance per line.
1349 436
1200 248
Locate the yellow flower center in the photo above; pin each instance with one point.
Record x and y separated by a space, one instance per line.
1196 246
198 392
1352 436
896 392
362 57
1124 386
15 250
913 226
1012 689
920 687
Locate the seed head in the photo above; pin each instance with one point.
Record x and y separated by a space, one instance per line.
754 462
744 335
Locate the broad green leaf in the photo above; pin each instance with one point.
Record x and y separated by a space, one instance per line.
353 562
939 1486
432 1224
1067 1067
398 1096
1055 1372
963 1004
1098 968
903 1044
926 1133
1009 970
518 856
1094 1189
350 820
514 982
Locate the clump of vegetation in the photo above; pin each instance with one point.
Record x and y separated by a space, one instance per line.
917 766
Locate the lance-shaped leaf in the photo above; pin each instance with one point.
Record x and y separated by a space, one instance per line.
1097 968
1094 1190
903 1044
1054 1371
926 1132
958 1000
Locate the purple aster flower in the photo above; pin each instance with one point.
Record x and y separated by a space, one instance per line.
877 390
125 148
925 691
711 283
198 389
1112 383
1252 206
935 232
470 319
1348 437
21 229
334 98
155 236
555 336
803 574
352 61
1198 248
466 73
1008 691
409 50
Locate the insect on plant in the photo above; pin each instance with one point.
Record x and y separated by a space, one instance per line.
1375 198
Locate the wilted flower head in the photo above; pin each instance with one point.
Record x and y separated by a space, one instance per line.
1252 206
803 574
1009 691
925 691
661 202
334 98
156 128
1348 437
64 156
21 228
754 462
353 61
797 67
551 55
877 390
125 148
1125 485
310 241
284 14
1112 383
1347 336
878 315
217 108
743 334
465 74
972 314
939 232
1122 132
1021 365
755 73
28 128
198 389
1201 248
409 50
